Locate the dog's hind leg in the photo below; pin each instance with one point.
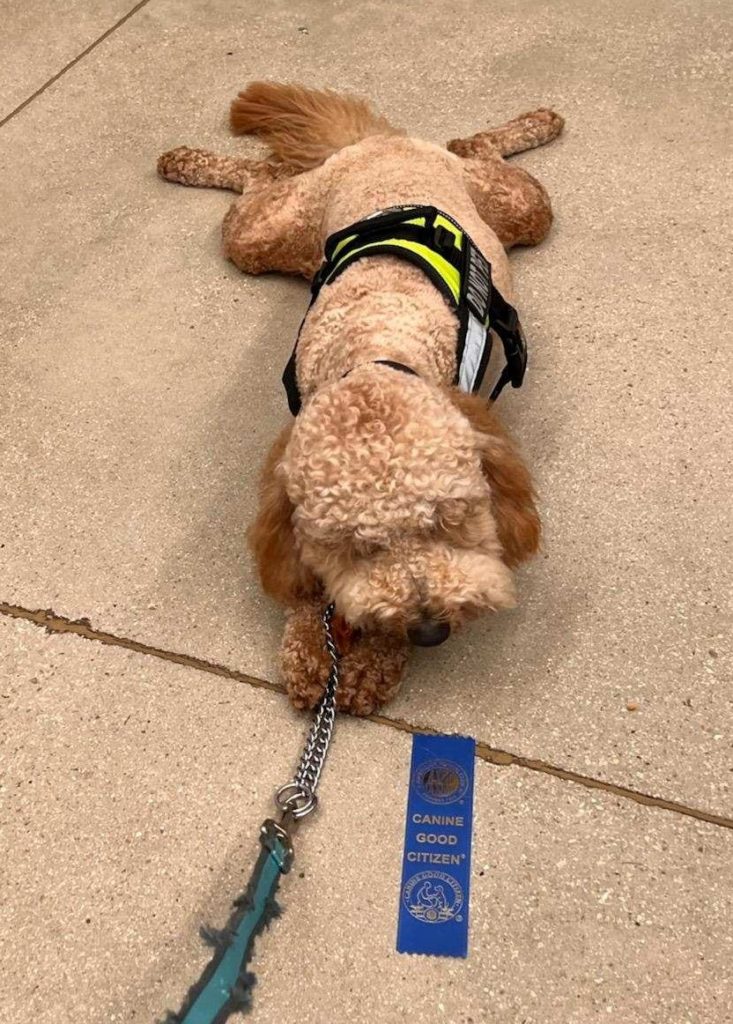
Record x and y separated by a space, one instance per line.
513 203
203 169
521 133
276 226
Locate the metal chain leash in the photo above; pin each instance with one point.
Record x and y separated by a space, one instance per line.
298 797
226 983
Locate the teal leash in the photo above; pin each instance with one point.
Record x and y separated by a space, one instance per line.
226 984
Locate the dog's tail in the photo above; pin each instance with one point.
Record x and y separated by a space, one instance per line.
303 127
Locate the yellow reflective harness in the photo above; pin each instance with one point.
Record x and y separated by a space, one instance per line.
440 247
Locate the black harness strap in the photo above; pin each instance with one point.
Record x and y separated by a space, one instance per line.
392 363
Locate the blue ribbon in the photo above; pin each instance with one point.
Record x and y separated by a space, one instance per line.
436 864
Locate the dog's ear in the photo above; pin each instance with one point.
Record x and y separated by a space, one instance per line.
271 536
513 496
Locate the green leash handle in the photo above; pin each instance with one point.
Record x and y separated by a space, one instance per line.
226 984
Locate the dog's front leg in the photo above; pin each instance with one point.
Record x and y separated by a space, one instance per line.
370 669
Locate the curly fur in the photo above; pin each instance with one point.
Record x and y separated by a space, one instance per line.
398 497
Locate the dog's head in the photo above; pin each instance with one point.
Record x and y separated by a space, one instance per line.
405 504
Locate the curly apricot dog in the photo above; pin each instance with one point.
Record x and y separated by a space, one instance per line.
393 494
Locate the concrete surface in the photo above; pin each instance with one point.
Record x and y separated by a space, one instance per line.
140 379
39 38
132 794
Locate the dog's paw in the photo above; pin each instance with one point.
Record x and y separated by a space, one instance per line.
181 164
370 676
549 123
370 668
305 674
304 660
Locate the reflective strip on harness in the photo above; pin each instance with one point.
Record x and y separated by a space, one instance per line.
469 372
434 242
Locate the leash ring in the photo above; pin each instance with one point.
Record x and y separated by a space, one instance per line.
295 798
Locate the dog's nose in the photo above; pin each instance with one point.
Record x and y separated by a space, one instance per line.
428 633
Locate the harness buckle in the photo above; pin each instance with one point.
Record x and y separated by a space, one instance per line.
509 329
444 239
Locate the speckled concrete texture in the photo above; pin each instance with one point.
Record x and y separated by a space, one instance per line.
141 378
583 909
39 37
132 792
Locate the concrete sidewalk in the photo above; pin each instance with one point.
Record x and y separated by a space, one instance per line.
141 726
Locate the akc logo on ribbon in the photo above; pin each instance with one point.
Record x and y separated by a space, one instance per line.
440 781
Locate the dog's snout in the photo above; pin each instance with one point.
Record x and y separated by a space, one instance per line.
428 632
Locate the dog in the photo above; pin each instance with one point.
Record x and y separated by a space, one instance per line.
393 493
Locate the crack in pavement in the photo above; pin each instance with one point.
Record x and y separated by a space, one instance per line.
505 758
53 623
75 60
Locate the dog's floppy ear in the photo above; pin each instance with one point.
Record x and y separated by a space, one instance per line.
513 496
271 536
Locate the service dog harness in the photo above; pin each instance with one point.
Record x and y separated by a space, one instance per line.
440 247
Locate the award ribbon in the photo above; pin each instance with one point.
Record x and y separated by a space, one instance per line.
436 864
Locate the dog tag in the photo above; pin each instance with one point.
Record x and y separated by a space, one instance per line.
436 864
